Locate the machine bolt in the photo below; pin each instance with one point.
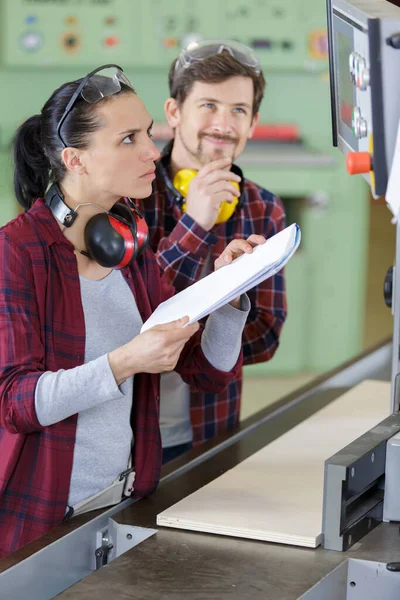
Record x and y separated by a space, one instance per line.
129 536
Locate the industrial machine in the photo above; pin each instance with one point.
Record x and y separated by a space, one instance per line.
45 43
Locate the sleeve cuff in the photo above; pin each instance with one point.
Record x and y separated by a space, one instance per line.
110 385
222 336
192 237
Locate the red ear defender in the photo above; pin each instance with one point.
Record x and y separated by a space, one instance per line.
116 239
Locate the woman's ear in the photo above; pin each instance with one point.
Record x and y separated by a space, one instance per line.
72 159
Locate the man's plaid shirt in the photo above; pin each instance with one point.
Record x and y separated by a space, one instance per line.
182 248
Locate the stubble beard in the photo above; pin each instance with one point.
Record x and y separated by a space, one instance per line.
200 154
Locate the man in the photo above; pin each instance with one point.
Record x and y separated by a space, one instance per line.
216 89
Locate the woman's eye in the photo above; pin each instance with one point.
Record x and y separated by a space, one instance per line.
129 139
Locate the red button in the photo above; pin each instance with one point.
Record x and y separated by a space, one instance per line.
111 40
358 162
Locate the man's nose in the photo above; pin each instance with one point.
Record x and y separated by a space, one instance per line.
222 121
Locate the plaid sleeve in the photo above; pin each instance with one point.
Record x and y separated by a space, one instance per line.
21 349
196 371
268 304
182 254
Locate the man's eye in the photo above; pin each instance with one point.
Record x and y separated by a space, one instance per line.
240 110
209 105
129 139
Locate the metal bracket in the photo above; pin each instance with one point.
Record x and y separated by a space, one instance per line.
116 539
354 487
101 553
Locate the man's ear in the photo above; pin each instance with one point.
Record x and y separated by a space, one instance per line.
72 159
172 112
253 125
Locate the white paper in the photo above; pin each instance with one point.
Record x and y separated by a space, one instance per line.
222 286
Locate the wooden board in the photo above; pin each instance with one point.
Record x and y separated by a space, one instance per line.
276 495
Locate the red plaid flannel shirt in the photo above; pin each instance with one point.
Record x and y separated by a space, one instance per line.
42 328
182 247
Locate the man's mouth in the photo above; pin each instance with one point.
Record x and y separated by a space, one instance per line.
219 140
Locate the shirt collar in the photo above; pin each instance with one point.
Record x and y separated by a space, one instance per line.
49 226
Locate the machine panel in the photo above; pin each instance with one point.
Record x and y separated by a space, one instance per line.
365 59
285 34
48 33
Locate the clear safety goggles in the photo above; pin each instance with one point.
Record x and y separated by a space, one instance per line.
202 50
100 83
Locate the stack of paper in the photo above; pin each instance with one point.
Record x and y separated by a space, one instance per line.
230 282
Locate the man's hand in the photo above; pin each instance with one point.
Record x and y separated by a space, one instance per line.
235 249
208 189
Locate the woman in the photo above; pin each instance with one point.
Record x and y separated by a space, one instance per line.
78 382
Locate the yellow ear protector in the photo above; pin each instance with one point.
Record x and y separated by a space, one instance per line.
181 182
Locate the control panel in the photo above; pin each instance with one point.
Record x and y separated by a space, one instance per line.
286 35
364 46
46 33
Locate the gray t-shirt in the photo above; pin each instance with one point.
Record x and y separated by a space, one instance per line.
103 435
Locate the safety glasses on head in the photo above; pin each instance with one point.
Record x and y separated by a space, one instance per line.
202 50
104 81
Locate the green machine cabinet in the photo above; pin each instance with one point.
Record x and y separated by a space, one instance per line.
47 42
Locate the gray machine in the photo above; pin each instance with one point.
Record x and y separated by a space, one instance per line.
362 484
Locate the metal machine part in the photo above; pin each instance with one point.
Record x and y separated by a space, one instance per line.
365 82
364 53
357 580
354 482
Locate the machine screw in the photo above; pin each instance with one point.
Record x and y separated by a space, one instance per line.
353 471
373 457
129 536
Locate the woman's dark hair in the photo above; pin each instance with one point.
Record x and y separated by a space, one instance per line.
37 148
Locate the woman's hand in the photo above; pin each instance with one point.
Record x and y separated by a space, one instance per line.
235 249
155 351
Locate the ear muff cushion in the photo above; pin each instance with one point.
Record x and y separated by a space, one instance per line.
103 242
137 222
